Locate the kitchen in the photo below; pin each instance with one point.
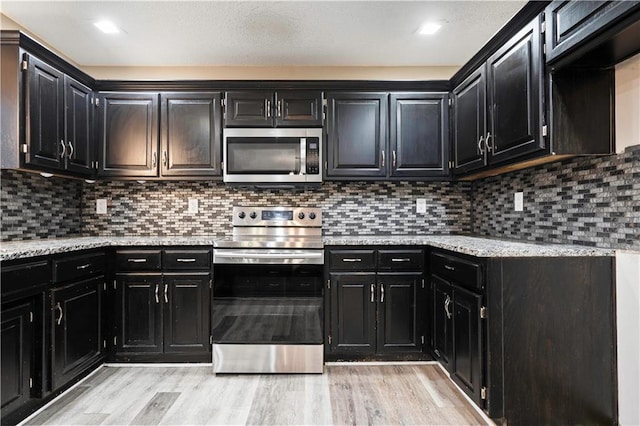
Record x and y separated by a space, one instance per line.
397 224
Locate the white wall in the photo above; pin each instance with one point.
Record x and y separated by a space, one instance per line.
628 336
628 103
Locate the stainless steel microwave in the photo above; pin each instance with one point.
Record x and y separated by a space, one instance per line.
280 156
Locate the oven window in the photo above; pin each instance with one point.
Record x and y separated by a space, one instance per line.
263 155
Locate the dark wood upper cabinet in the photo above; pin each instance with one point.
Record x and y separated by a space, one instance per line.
357 134
515 92
79 127
419 136
128 134
286 108
469 127
45 138
298 108
191 133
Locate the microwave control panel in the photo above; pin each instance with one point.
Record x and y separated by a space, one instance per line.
313 156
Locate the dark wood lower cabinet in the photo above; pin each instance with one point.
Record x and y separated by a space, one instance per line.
442 321
76 338
16 337
353 314
398 321
139 321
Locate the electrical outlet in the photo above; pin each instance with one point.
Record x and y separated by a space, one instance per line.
421 205
101 206
193 205
518 201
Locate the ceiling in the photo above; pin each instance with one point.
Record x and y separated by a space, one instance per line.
264 33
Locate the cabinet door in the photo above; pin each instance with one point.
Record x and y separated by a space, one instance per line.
139 322
353 313
128 134
357 135
79 130
442 312
16 338
515 81
469 123
398 314
191 134
419 124
249 109
298 109
186 312
76 329
467 360
44 115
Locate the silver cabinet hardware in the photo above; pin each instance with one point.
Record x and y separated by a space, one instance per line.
450 268
268 109
156 293
154 159
401 259
329 284
393 158
423 283
25 65
381 293
279 113
545 130
483 312
83 266
382 157
164 158
25 148
352 259
166 295
136 260
437 352
71 150
59 308
186 260
480 142
491 147
447 302
373 293
64 149
483 393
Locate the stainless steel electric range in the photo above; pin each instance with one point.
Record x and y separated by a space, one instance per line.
267 293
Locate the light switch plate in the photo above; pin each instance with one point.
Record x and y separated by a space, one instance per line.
518 201
421 205
101 206
193 205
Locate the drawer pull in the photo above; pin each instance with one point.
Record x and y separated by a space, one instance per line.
185 260
156 294
83 266
401 259
351 259
59 308
450 268
137 260
166 293
373 293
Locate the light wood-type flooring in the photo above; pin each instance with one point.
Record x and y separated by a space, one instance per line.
353 394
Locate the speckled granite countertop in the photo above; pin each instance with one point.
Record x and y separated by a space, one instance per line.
474 246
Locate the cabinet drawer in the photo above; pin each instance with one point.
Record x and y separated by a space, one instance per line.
352 260
187 259
401 259
461 271
71 268
138 260
20 278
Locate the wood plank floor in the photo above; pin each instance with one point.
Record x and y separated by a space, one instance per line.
344 395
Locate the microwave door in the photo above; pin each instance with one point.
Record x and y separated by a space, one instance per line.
263 156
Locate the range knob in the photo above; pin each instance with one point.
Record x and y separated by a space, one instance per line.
300 215
241 215
312 215
253 215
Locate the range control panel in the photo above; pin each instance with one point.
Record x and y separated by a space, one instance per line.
277 216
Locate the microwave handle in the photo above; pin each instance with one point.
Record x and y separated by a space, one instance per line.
303 156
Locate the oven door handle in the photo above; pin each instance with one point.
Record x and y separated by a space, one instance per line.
279 257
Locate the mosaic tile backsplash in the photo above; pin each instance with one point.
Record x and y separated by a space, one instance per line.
34 207
160 208
587 201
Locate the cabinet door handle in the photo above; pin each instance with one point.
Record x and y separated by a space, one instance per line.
164 158
450 268
393 158
447 302
382 157
490 146
401 259
279 114
351 259
156 293
83 266
185 260
71 150
137 260
480 142
373 293
166 296
268 109
59 308
154 160
64 149
381 293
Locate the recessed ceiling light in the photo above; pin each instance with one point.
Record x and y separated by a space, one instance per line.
429 28
107 27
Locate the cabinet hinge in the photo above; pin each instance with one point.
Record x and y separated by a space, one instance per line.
423 287
30 382
483 312
97 101
452 164
325 102
543 27
30 316
544 49
545 130
25 148
329 284
450 102
223 102
329 339
25 65
422 339
483 393
211 340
